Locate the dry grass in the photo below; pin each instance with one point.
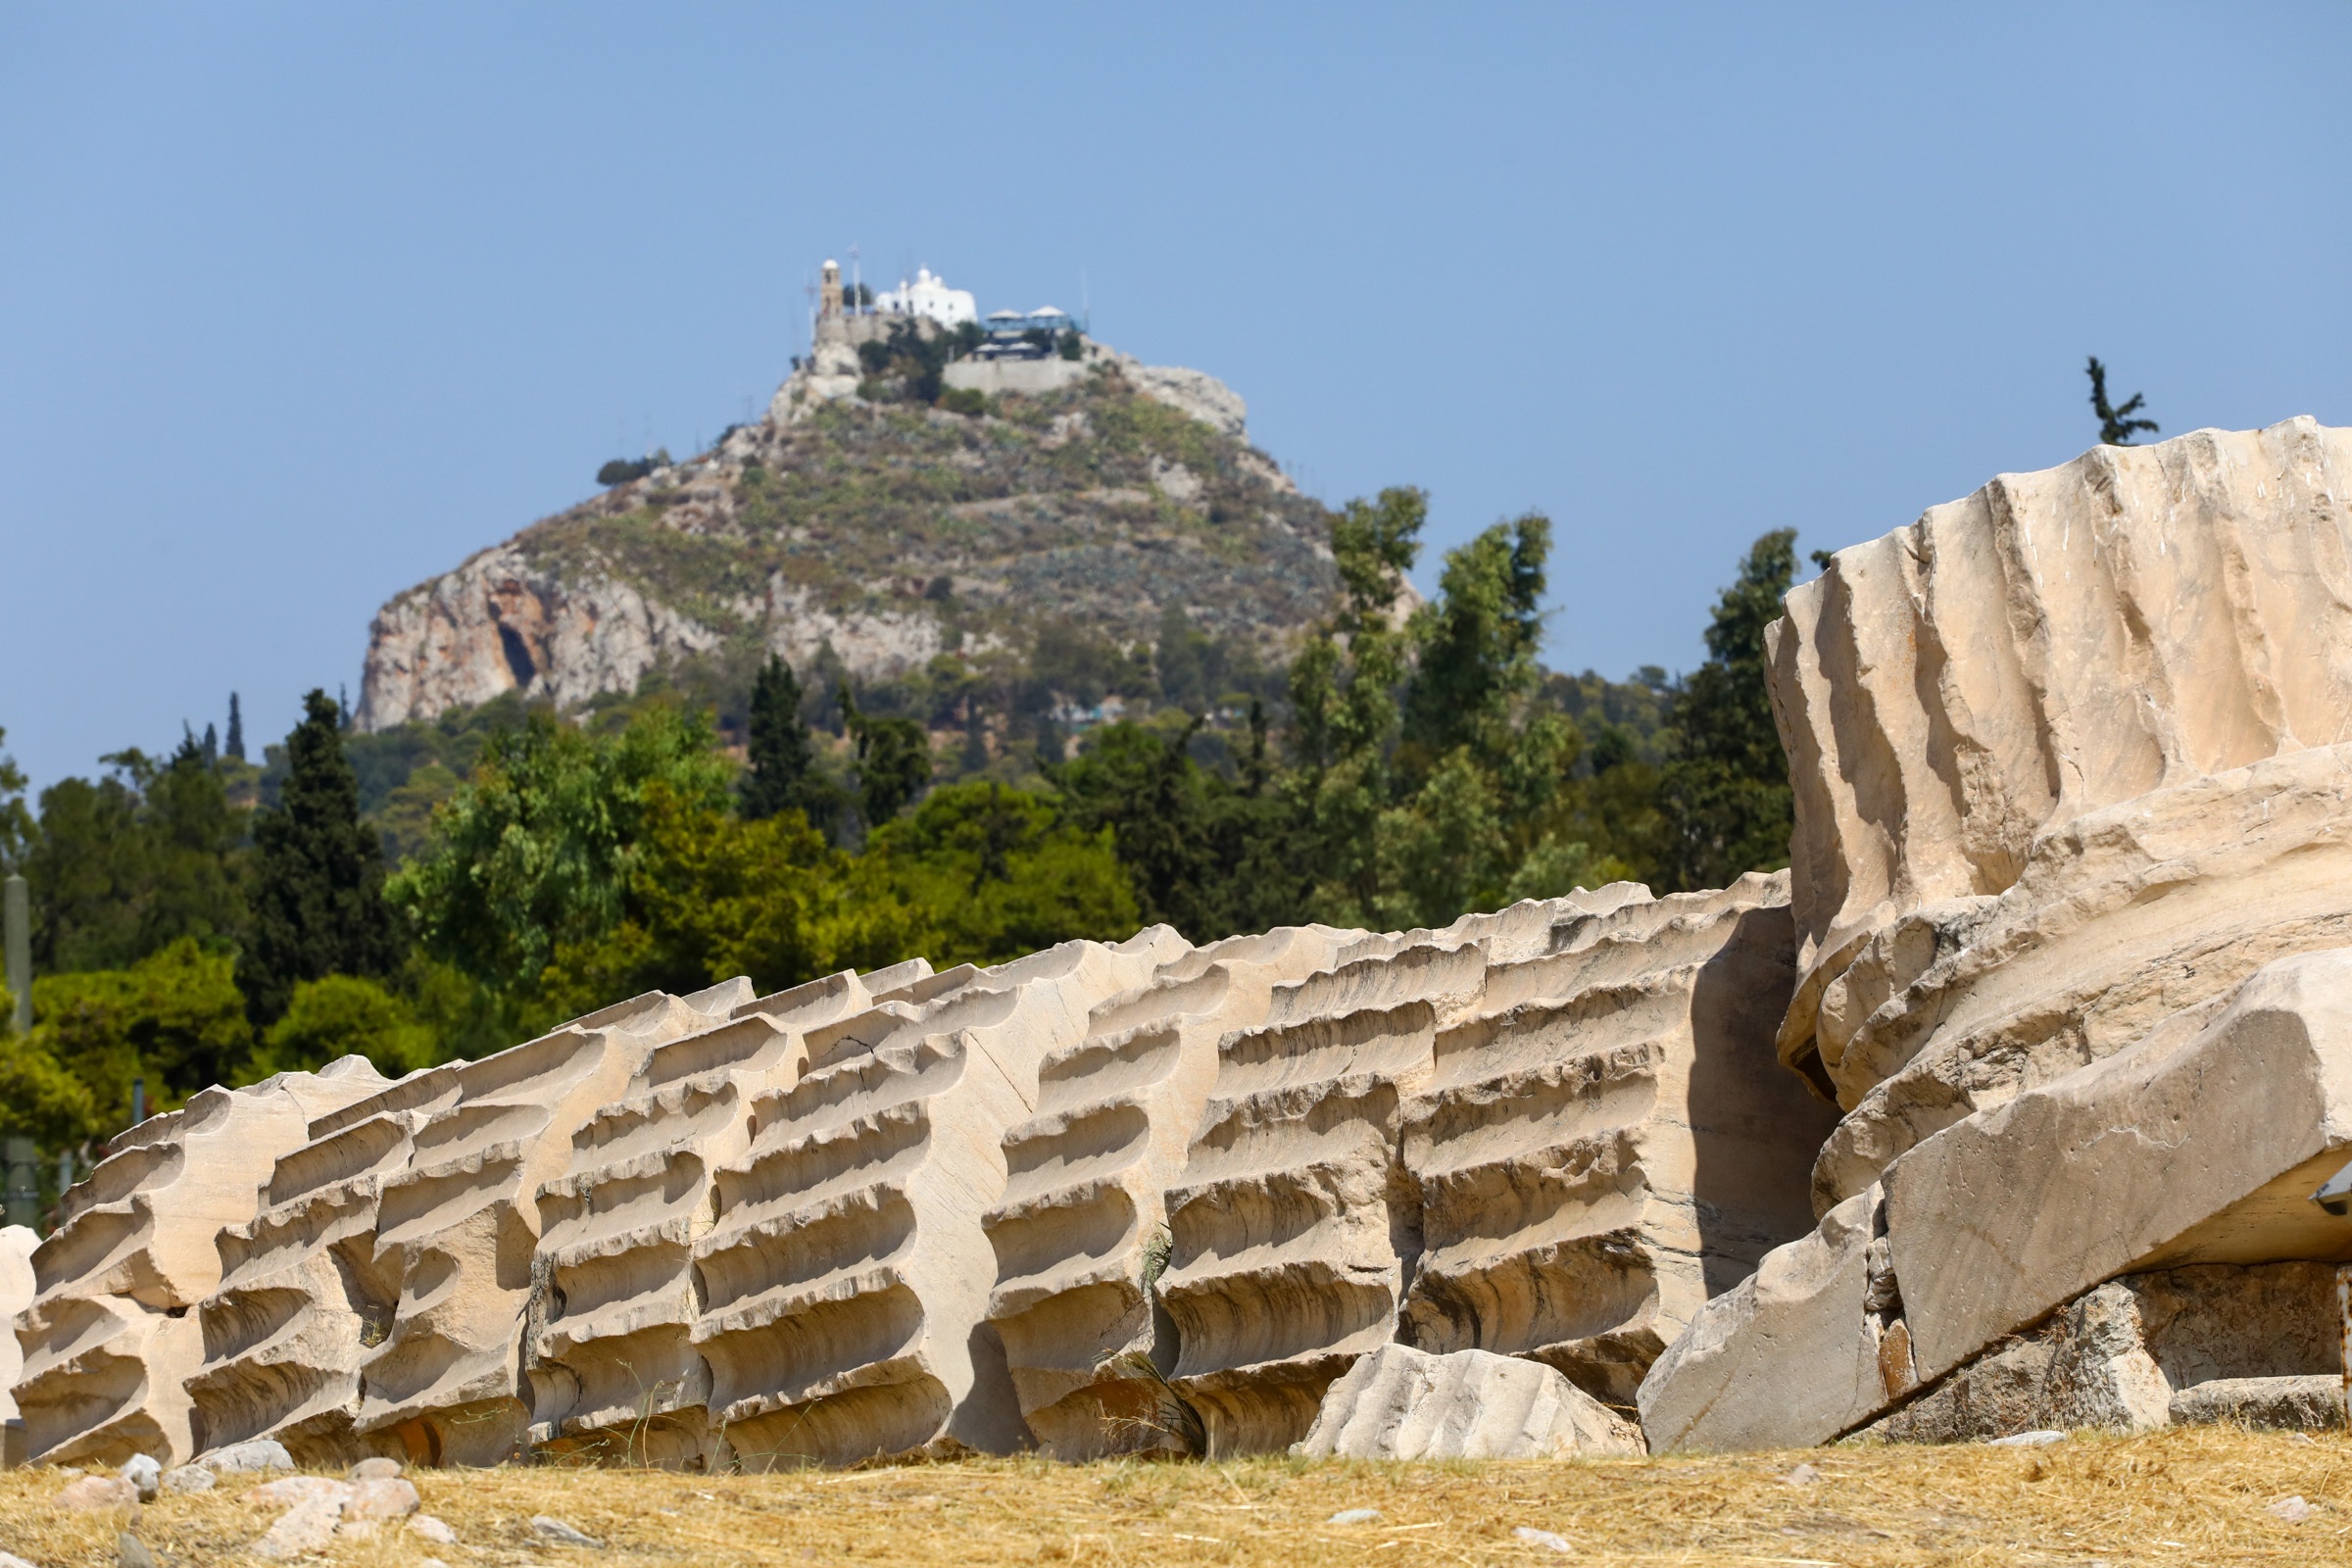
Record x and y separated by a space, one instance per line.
2199 1496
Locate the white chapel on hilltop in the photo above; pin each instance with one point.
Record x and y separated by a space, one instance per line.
928 296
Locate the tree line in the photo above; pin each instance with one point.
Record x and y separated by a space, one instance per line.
198 922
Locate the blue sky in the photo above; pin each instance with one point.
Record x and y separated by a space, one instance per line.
300 305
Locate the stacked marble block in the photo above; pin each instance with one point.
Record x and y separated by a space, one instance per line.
2073 899
111 1339
1547 1133
1104 1197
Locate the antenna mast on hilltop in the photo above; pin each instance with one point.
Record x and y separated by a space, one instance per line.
856 285
810 290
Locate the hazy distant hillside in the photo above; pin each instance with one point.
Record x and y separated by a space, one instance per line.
1048 538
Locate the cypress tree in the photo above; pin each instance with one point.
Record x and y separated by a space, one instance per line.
782 756
1724 795
893 762
235 744
317 899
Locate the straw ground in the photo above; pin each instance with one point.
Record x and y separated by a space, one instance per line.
2201 1495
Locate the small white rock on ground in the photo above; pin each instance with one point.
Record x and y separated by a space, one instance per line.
549 1528
189 1478
144 1473
303 1529
261 1453
1399 1402
98 1493
425 1527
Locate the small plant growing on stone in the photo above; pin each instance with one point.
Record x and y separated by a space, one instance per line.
2116 424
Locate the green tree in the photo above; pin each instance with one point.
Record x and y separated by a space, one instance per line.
783 774
1487 806
893 762
1204 853
1723 798
1433 775
344 1015
122 867
176 1019
1477 642
194 870
41 1100
87 868
319 876
985 873
17 824
914 356
234 746
2116 427
1344 687
538 848
704 896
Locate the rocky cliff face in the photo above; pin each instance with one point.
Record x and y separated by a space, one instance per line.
889 532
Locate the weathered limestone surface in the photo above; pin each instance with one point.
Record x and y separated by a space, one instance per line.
2198 1144
2087 1366
1796 1355
304 1297
17 1242
108 1341
2312 1402
2072 881
1548 1132
847 1277
1106 1198
2201 1344
1605 1141
2069 759
1081 1233
1295 1226
613 1370
459 1229
1401 1404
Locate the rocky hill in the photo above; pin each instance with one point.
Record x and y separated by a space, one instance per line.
859 517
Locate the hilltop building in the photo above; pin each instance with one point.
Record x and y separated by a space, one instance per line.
1023 353
929 298
842 322
1015 336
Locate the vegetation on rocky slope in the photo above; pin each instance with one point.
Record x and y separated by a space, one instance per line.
1084 515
